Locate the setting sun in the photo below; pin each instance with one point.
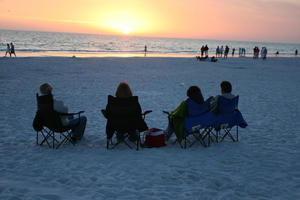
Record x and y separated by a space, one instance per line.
124 29
122 22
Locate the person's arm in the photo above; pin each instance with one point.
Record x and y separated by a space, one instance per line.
180 111
214 104
59 106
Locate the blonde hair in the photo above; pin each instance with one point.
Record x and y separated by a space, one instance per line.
123 90
45 88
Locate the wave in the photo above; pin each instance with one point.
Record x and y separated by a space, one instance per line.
101 51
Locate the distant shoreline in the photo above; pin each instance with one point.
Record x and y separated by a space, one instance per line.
107 54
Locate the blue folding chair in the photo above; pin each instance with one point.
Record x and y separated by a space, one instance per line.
198 126
228 116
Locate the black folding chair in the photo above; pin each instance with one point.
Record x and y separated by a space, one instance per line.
47 123
125 120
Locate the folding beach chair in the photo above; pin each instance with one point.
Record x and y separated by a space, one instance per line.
198 125
227 118
47 123
125 121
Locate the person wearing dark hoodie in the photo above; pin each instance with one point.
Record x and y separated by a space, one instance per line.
176 117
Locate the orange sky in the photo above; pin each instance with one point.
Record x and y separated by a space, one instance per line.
257 20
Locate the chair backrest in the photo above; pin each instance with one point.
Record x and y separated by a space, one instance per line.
195 109
49 117
125 114
226 105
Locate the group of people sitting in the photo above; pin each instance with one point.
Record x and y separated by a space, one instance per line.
176 117
194 94
205 58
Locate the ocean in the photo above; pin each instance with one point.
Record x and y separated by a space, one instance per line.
28 43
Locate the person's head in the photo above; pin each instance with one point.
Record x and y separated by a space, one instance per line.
195 94
123 90
226 87
45 89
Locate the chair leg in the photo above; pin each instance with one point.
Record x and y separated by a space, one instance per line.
65 139
227 133
45 135
138 142
237 133
37 138
53 139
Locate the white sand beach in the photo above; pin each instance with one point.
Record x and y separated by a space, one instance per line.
264 164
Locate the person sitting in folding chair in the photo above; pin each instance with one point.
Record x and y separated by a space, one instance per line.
227 115
177 116
78 124
226 89
124 116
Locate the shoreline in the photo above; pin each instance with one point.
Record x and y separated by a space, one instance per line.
127 55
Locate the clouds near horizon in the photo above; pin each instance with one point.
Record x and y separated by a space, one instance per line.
258 20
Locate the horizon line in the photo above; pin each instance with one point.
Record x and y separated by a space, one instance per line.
162 37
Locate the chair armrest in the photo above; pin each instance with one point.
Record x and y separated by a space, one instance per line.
146 112
166 112
70 114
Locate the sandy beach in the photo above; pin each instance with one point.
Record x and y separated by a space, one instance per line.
264 164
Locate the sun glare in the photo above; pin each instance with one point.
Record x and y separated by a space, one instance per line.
125 29
124 23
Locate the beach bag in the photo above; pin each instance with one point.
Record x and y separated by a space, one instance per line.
154 137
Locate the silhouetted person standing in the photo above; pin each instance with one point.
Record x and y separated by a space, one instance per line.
206 50
226 51
221 51
233 50
145 50
202 51
296 52
12 49
264 53
217 51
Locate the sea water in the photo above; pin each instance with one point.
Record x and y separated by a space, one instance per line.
54 43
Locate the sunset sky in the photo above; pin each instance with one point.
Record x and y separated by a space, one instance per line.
255 20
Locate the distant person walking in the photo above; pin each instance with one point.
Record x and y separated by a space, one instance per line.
7 50
202 51
264 53
12 49
217 51
206 50
233 50
226 51
296 52
255 52
221 51
145 50
243 52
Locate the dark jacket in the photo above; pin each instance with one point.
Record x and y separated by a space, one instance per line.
47 116
124 115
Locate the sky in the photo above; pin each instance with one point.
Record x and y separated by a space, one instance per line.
246 20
